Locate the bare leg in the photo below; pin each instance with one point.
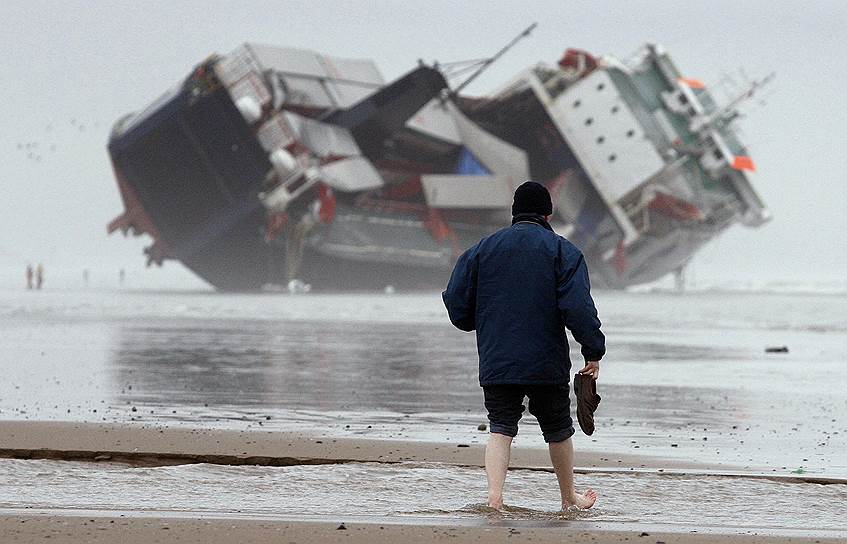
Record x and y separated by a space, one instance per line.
561 454
496 464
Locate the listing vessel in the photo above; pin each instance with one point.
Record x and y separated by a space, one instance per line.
275 166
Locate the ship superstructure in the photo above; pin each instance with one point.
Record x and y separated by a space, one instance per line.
269 165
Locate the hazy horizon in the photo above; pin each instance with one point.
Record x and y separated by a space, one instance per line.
73 68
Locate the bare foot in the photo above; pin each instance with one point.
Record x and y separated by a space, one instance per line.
583 501
496 504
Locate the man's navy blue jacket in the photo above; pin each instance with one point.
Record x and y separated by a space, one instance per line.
519 288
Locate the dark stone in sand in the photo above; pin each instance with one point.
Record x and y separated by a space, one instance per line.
341 528
482 427
463 446
776 349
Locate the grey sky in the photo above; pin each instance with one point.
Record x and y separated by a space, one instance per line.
70 69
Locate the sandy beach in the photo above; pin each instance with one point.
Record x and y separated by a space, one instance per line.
142 530
105 455
221 418
156 445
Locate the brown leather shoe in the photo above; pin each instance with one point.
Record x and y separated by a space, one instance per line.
587 399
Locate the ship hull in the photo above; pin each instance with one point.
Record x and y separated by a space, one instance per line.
202 199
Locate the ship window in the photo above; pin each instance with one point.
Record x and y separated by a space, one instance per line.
589 121
601 86
615 109
576 103
600 139
612 157
630 133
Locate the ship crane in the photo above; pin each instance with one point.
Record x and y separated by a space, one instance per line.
454 69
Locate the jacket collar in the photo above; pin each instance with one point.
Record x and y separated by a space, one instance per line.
532 218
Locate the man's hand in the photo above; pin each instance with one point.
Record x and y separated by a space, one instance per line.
591 368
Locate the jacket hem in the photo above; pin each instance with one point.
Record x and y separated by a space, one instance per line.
485 383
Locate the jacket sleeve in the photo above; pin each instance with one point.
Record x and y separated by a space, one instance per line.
460 296
576 305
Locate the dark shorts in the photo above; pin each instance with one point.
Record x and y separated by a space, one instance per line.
550 404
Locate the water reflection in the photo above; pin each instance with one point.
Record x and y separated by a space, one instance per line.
297 365
343 366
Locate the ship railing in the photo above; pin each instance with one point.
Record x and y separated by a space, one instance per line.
291 188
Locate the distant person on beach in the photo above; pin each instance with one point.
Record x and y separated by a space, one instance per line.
39 276
29 274
519 288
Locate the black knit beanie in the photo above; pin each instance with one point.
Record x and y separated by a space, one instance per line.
532 198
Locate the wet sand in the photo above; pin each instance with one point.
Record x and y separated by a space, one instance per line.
381 490
152 445
19 528
686 378
346 381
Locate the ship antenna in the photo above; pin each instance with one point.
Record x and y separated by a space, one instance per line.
484 64
724 114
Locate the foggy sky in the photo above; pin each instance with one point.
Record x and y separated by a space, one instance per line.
70 69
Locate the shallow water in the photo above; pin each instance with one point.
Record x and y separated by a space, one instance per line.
416 490
686 377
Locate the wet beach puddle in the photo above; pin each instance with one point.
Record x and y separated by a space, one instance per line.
520 513
417 490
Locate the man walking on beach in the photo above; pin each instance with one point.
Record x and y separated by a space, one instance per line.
519 288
